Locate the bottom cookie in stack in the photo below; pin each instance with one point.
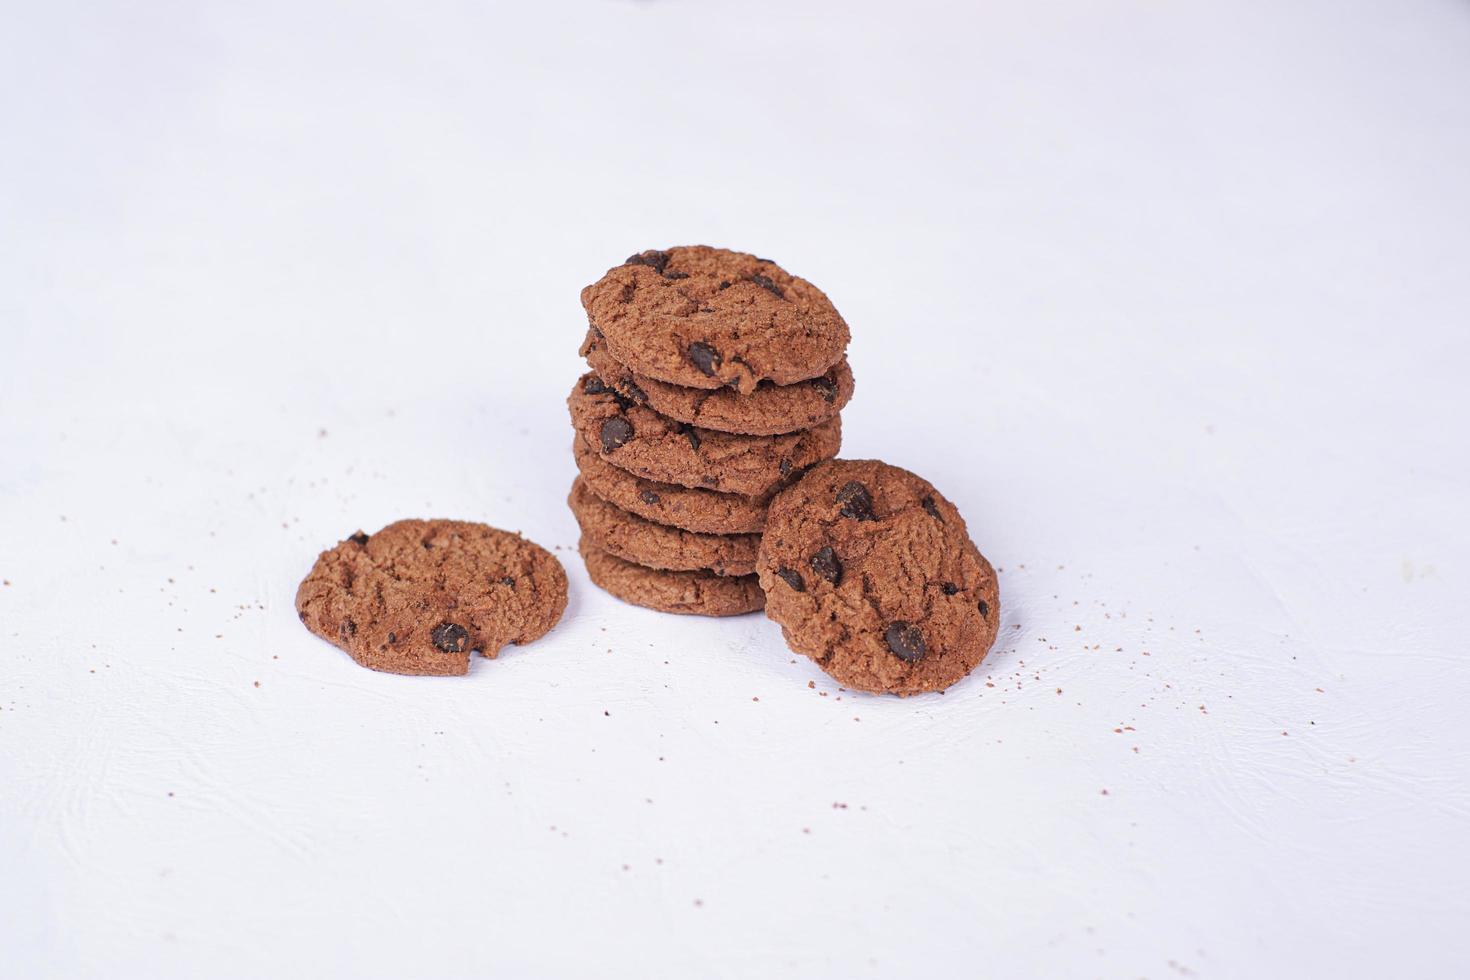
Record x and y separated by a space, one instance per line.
695 593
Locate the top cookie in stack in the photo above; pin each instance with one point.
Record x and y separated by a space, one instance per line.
717 378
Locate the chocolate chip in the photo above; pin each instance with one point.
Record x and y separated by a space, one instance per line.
826 387
392 637
785 467
906 642
655 260
724 284
348 628
767 285
507 580
301 615
929 508
450 638
359 538
826 564
596 386
950 588
648 496
791 578
634 392
616 431
984 609
856 502
676 275
691 433
704 357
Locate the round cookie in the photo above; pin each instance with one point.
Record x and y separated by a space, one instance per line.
690 508
419 597
871 573
634 539
768 410
688 593
643 442
706 317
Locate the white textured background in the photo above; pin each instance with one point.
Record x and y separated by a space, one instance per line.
1170 298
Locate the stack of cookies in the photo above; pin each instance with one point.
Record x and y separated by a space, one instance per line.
716 380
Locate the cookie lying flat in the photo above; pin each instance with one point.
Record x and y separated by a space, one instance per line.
872 574
419 597
690 508
634 539
689 593
706 317
768 410
643 442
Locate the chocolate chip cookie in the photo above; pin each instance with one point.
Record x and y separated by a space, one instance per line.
872 574
706 317
641 441
419 596
634 539
770 409
690 508
690 593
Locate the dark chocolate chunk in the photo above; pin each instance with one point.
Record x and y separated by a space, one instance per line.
984 609
766 284
616 432
826 387
676 275
595 386
690 433
648 497
856 502
929 508
450 638
655 260
507 580
634 392
704 357
359 538
826 564
950 588
791 578
785 467
906 642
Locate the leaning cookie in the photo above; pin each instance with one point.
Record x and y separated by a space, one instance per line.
643 442
768 410
690 508
420 596
706 317
688 593
655 545
871 572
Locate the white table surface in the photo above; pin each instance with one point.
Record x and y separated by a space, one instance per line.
1170 298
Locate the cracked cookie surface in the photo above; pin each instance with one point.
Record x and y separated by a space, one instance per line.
688 593
420 596
690 508
770 409
706 317
871 572
644 542
643 442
